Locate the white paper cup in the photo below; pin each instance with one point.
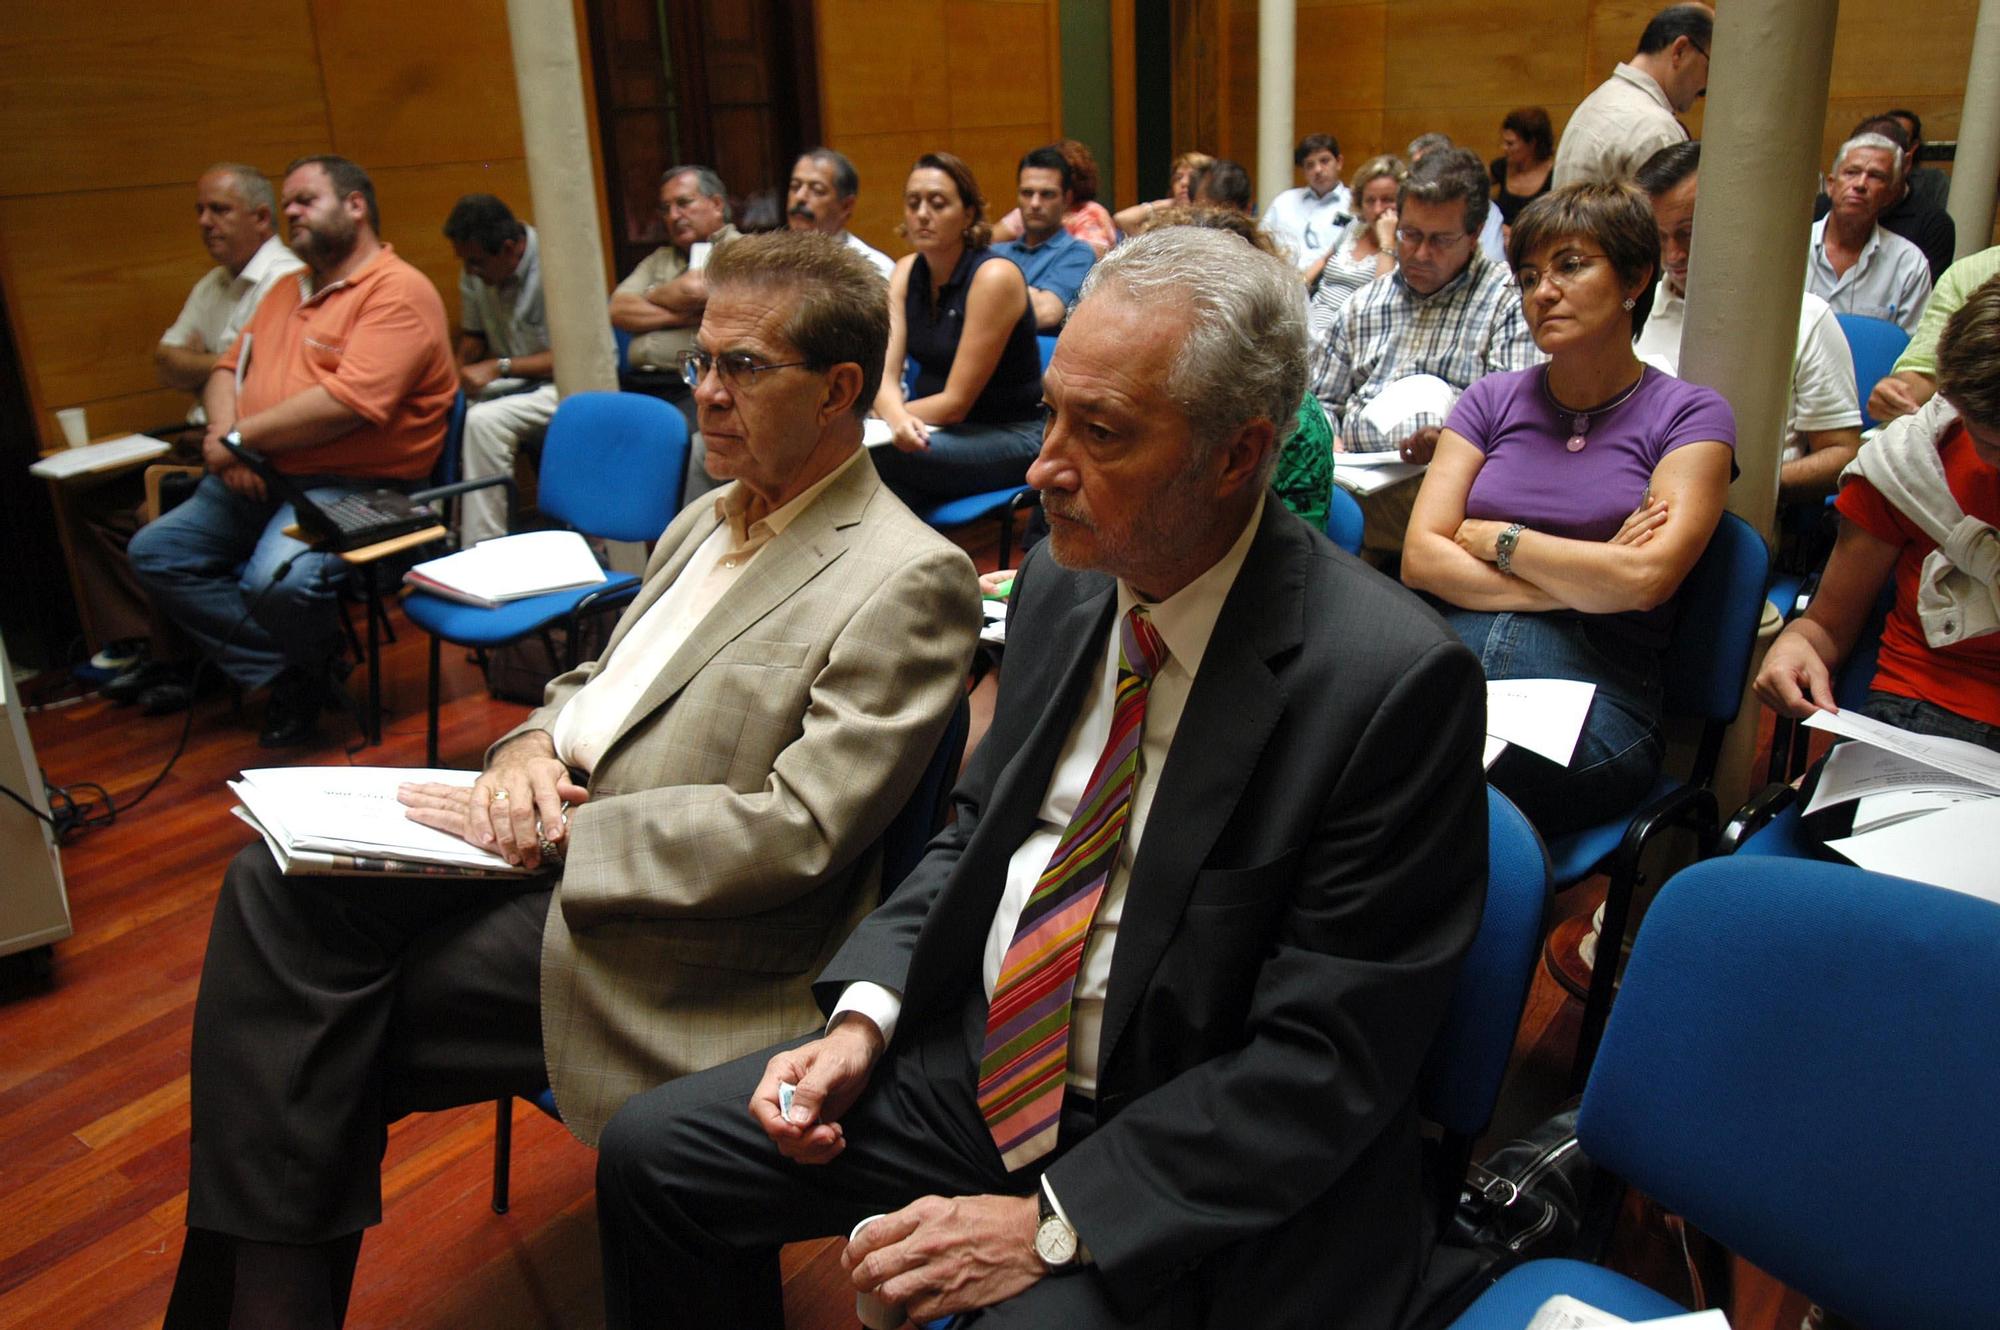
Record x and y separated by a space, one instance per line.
871 1310
75 432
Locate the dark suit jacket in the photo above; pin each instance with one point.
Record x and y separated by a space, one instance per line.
1312 871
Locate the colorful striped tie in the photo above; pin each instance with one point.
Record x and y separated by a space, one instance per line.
1025 1062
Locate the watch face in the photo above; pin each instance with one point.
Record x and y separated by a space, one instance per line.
1055 1242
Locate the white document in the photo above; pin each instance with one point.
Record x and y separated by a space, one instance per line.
1393 410
1856 770
1968 760
1541 715
1957 848
1875 811
1494 747
506 568
698 254
994 629
100 456
1563 1312
353 811
1378 472
875 432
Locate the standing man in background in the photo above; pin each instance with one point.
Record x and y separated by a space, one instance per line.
1632 115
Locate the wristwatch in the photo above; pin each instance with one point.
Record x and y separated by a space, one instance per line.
234 438
1055 1241
506 367
1503 548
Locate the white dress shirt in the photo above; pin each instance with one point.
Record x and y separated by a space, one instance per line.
1824 395
881 262
596 712
1891 280
222 302
1185 621
1306 223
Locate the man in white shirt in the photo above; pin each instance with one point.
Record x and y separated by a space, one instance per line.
1142 1030
1856 265
1631 115
1307 219
505 365
1823 427
712 787
820 197
233 207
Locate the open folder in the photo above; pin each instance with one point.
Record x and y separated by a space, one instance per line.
347 821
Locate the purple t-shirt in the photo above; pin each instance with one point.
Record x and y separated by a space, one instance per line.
1531 477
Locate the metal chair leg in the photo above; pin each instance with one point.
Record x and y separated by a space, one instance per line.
503 1146
431 707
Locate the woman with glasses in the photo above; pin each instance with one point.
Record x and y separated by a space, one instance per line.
1365 248
971 421
1566 502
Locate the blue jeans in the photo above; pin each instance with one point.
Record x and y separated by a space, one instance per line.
1617 756
1908 713
208 566
963 459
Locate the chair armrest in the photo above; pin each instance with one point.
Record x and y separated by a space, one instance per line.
158 472
1756 814
458 487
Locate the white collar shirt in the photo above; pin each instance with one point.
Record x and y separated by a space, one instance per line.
1305 223
881 262
1891 280
222 302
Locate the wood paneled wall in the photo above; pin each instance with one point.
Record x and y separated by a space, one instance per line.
1376 73
899 78
113 108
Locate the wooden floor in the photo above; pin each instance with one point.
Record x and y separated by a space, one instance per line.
94 1066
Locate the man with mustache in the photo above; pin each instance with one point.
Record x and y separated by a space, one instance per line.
344 379
820 197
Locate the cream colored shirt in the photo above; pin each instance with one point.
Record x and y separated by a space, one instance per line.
1625 120
662 349
597 711
1185 621
222 302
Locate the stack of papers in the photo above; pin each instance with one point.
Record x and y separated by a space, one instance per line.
506 568
346 821
1364 473
100 456
1925 808
1544 716
1563 1312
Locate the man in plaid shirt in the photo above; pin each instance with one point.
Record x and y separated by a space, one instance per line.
1446 311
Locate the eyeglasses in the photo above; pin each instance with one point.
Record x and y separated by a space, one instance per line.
1562 274
1438 240
735 368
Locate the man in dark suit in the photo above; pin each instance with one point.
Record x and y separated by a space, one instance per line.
1138 1041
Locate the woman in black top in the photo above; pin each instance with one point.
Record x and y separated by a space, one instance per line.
972 420
1527 159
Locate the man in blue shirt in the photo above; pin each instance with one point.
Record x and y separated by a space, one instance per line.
1054 261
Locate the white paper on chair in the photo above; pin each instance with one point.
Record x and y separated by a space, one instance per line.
99 456
1960 758
1563 1312
1494 747
1858 770
506 568
875 432
1378 472
1544 716
1957 848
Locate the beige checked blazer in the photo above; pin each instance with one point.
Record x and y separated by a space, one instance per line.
727 847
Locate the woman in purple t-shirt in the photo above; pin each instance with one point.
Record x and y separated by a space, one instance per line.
1566 502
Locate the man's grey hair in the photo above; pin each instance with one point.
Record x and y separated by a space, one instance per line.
1881 141
706 179
1424 143
251 186
846 181
1245 354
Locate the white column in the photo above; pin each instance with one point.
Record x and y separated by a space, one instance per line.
1277 24
1977 166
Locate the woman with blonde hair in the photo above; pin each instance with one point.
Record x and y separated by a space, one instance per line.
1365 248
1180 193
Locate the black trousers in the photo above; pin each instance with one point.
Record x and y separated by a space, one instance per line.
329 1007
693 1200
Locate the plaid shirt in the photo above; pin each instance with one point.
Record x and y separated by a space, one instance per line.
1470 327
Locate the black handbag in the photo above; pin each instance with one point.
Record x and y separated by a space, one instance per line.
1526 1199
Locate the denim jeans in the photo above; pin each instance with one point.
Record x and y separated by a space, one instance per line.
1908 713
963 459
208 566
1618 755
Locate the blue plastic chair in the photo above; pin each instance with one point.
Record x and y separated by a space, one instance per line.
1344 520
1460 1082
903 843
1047 342
593 438
1704 666
1803 1063
1875 344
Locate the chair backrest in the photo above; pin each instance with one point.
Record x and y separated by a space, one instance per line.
612 465
1721 604
1803 1060
922 814
450 465
1047 342
1461 1077
1875 344
1344 520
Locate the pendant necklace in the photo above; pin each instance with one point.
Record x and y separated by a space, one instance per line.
1579 421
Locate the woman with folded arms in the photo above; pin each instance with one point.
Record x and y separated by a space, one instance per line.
1936 473
1566 503
972 420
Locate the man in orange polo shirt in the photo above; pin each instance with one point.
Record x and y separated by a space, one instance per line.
344 379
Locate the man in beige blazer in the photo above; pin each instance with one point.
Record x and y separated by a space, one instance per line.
764 707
